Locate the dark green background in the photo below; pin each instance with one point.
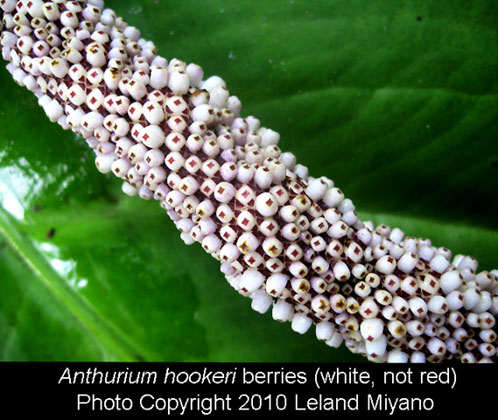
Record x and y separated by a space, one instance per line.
396 101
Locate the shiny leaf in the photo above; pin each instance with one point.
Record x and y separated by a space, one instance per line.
397 102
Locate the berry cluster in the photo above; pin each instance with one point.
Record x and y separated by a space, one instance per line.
290 242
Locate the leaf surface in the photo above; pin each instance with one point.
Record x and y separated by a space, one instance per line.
397 103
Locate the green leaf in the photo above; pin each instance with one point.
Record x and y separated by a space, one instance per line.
397 102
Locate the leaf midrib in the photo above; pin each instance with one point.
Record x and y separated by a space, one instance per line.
107 335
